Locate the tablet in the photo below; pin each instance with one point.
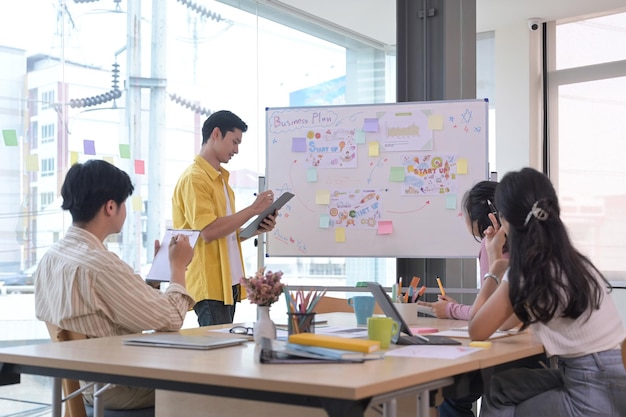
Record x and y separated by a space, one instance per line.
160 269
252 228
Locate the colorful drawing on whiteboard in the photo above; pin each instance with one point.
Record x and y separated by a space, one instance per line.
331 148
359 209
430 174
405 131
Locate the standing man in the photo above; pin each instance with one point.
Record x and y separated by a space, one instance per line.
203 200
83 287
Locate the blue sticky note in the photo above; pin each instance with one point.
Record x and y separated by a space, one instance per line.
311 174
324 221
451 201
370 125
359 136
89 147
298 145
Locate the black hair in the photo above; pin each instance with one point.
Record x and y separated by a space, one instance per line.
547 275
224 120
476 206
87 187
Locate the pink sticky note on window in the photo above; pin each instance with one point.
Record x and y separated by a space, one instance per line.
385 227
140 167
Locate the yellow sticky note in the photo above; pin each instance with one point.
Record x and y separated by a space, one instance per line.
109 159
373 149
32 163
461 166
480 344
322 197
435 122
137 203
340 234
73 157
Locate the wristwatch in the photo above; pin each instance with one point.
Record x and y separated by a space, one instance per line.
492 276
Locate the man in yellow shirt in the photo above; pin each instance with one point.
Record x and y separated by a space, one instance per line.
203 200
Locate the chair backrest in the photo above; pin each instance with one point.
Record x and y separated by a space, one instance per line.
338 305
74 407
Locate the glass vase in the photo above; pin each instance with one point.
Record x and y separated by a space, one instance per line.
264 326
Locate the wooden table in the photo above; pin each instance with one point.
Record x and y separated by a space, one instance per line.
340 389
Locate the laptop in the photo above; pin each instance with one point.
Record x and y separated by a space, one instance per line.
408 338
177 340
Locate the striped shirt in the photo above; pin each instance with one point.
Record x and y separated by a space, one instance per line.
83 287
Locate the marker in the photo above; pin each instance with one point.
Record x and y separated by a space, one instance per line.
443 292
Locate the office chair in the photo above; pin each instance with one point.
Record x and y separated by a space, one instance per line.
74 404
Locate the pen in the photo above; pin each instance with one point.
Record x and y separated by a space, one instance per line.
443 292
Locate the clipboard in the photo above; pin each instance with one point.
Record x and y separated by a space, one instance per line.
160 269
252 228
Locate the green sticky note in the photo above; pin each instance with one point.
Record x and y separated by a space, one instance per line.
124 151
10 137
396 174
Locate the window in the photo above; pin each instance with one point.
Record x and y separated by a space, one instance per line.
46 199
47 99
47 133
47 167
586 159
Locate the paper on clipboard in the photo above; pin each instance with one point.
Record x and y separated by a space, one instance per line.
252 228
160 269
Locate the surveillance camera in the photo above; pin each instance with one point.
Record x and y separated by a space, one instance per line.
533 24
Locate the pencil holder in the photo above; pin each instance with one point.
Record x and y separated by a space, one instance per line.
300 323
408 311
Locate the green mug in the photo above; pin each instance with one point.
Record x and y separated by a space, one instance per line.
382 329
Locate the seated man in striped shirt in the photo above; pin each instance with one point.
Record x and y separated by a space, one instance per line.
83 287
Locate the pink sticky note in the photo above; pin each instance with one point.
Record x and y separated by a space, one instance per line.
140 167
385 227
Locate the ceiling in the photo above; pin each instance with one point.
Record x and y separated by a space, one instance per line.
370 19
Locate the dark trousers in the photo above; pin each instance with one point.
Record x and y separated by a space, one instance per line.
211 312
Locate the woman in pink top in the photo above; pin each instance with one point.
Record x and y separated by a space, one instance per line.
477 204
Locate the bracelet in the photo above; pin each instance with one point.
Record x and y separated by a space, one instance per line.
492 276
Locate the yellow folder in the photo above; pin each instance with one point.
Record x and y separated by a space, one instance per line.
335 342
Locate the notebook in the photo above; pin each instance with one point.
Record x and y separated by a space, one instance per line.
464 333
177 340
160 268
408 338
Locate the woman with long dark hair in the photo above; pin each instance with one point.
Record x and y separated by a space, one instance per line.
561 297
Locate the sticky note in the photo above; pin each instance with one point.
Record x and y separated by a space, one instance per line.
32 163
89 147
359 136
396 174
324 221
385 227
73 157
340 234
373 149
322 197
435 122
109 159
461 166
137 203
370 125
140 167
10 137
298 145
124 151
451 201
311 174
480 344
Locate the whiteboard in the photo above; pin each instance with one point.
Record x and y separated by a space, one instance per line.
384 180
